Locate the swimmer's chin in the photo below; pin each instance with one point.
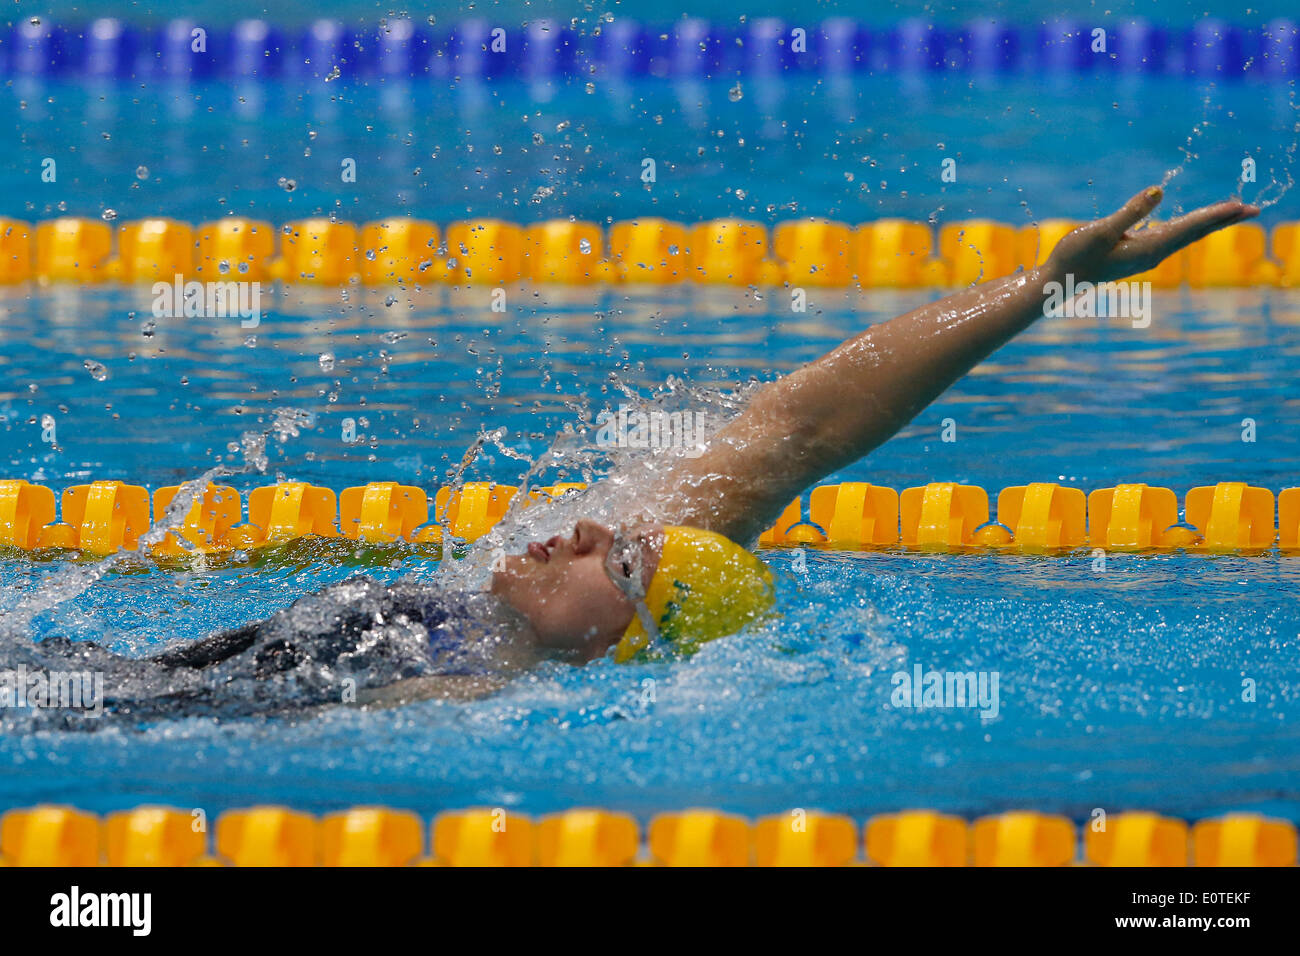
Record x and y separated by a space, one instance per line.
522 646
524 637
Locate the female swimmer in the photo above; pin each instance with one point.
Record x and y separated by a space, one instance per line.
678 571
582 592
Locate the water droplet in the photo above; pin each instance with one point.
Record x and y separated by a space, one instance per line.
109 215
327 361
142 172
288 185
96 369
148 329
736 94
584 246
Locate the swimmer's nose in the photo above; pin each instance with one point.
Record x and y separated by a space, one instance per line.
587 535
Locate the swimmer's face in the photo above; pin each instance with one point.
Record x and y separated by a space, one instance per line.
565 589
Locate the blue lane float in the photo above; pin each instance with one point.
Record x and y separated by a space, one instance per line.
843 45
1279 54
916 46
177 52
549 50
257 49
1141 47
35 48
322 48
991 47
111 49
1065 46
620 49
1215 48
401 49
476 51
691 48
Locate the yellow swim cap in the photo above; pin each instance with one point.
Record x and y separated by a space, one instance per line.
706 586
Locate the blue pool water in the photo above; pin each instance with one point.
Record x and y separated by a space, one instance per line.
1119 688
856 148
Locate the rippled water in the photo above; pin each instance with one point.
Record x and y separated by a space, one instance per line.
1118 688
854 150
1080 400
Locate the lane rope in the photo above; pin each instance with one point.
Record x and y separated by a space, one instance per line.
606 48
802 253
379 836
104 517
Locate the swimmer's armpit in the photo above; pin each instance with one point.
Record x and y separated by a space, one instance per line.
832 411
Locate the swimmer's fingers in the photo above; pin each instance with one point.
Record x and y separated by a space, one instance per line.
1111 248
1183 231
1090 250
1132 212
1144 249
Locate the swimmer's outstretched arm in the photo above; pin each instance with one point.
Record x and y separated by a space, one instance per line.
832 411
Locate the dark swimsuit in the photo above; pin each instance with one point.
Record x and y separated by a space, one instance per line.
359 630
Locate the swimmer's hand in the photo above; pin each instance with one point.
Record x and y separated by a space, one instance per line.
827 414
1108 249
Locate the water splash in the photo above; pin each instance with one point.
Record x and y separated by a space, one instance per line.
1187 148
1266 197
625 484
70 580
362 634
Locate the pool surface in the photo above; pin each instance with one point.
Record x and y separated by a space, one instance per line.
1120 687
